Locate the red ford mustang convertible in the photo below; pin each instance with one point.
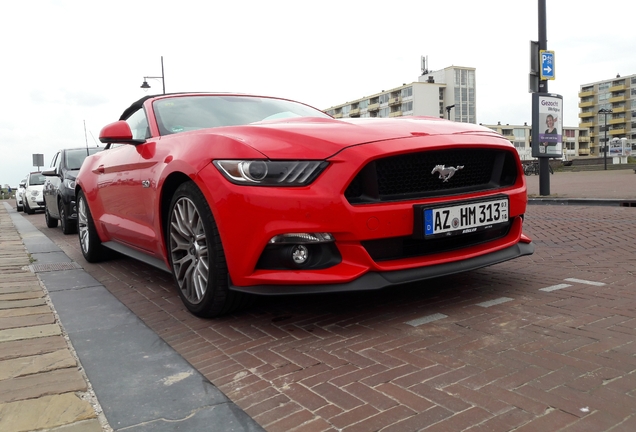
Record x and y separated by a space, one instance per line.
239 194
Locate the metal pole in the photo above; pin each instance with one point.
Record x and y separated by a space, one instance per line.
544 163
162 77
605 144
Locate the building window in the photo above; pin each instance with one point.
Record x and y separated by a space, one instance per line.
407 106
383 112
570 133
384 98
406 92
519 133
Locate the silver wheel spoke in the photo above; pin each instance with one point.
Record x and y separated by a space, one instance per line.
189 250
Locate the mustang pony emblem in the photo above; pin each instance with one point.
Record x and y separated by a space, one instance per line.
446 173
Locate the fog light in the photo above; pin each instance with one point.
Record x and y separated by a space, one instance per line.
303 238
300 254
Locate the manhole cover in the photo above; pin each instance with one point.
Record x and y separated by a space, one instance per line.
39 268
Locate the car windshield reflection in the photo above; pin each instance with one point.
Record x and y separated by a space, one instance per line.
75 158
182 114
37 179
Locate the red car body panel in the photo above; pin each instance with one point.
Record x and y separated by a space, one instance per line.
247 217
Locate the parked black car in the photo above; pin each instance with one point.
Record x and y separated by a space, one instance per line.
59 189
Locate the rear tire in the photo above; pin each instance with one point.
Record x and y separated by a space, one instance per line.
196 256
51 222
90 243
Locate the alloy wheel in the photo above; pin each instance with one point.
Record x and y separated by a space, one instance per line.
189 250
82 225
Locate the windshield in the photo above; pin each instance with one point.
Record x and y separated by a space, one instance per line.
75 158
36 179
189 113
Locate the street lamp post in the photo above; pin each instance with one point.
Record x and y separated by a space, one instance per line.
145 84
448 108
605 112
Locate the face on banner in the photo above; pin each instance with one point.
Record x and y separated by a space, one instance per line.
551 127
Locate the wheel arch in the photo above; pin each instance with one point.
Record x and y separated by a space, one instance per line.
170 185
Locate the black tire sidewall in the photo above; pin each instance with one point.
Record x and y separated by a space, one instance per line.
217 295
94 252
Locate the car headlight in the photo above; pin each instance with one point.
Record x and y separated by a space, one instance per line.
69 183
35 192
270 173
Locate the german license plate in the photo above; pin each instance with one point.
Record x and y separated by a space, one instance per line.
464 218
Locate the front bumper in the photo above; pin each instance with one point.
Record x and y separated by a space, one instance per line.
249 216
378 280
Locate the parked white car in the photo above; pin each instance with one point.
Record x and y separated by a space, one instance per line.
19 199
33 197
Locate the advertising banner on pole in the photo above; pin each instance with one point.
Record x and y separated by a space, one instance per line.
547 125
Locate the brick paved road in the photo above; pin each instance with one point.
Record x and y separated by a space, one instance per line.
541 343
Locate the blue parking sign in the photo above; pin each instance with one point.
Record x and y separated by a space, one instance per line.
547 64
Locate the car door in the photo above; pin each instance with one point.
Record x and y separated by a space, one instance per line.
50 186
120 190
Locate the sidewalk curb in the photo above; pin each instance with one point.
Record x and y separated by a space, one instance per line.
141 383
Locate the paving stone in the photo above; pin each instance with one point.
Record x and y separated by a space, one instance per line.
30 332
25 311
29 347
12 304
47 412
42 384
26 320
23 366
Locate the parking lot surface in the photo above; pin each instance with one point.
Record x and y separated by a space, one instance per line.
545 342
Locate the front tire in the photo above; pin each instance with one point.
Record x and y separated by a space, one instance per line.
196 255
90 242
28 209
68 227
51 222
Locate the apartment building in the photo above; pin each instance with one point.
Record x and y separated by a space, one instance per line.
608 110
447 93
576 140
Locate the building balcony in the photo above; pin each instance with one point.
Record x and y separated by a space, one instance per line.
587 114
584 152
584 139
617 88
587 93
618 110
373 107
586 104
586 124
337 115
354 112
616 99
617 121
617 131
395 101
510 138
395 114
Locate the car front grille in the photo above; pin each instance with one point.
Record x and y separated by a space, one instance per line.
410 176
407 247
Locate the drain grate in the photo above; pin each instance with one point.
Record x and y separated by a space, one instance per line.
39 268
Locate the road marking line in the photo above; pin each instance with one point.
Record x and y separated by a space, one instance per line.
585 282
555 287
494 302
427 319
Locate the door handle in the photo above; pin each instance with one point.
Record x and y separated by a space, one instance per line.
100 169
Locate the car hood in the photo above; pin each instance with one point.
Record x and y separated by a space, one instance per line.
320 138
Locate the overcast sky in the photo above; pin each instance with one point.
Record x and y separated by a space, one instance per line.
67 63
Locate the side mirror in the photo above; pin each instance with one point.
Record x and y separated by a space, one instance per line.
23 184
118 133
49 172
